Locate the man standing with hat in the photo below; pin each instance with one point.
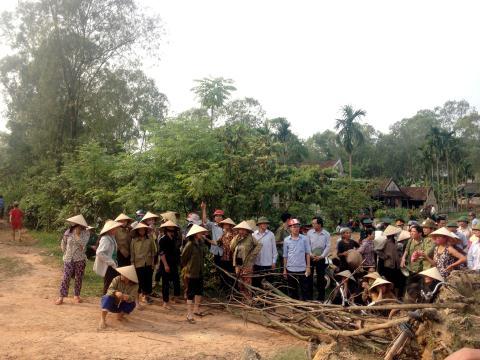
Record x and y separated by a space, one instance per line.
215 230
428 226
296 261
452 226
463 227
319 239
267 257
123 239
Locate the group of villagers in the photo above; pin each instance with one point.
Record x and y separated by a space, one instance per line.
408 262
134 255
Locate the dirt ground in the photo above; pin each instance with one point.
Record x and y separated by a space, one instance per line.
32 327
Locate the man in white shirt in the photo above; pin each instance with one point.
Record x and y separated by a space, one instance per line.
266 260
319 239
473 218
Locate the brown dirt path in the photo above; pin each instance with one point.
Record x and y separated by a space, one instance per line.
32 327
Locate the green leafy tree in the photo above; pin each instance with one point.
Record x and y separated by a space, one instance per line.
213 94
67 58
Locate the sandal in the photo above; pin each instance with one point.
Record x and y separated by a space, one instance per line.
191 320
59 301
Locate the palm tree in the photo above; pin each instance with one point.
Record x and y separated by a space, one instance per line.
350 131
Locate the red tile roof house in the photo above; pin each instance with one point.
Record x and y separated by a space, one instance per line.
393 195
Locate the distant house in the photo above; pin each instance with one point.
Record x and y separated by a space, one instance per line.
469 195
392 195
332 164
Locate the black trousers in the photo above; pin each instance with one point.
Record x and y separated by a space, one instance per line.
195 287
260 273
297 285
227 281
167 278
122 260
145 275
319 268
107 279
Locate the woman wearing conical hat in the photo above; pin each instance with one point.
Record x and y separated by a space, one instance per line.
192 264
106 255
168 252
381 289
224 242
445 257
245 250
124 239
142 256
150 220
121 295
73 245
347 283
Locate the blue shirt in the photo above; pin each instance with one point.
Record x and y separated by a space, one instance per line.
217 233
294 251
319 240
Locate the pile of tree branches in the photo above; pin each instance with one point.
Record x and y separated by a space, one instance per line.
374 327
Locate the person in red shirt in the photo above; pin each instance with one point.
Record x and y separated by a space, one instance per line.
16 219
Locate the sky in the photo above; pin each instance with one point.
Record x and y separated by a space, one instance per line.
304 59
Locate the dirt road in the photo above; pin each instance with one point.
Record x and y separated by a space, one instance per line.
32 327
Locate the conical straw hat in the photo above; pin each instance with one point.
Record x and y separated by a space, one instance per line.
444 231
149 215
170 215
253 224
78 220
372 275
195 229
109 225
140 226
244 225
227 221
169 223
345 273
404 235
122 216
433 273
391 230
129 272
380 281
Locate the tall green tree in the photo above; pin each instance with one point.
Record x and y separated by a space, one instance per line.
213 94
350 133
68 61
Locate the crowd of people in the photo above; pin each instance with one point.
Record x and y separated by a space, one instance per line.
391 259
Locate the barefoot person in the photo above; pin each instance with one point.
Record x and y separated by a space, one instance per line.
73 246
192 263
16 220
121 295
106 255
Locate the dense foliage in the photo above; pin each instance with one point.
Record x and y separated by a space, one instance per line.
89 132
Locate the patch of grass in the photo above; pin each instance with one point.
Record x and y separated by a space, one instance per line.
13 267
50 244
292 353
